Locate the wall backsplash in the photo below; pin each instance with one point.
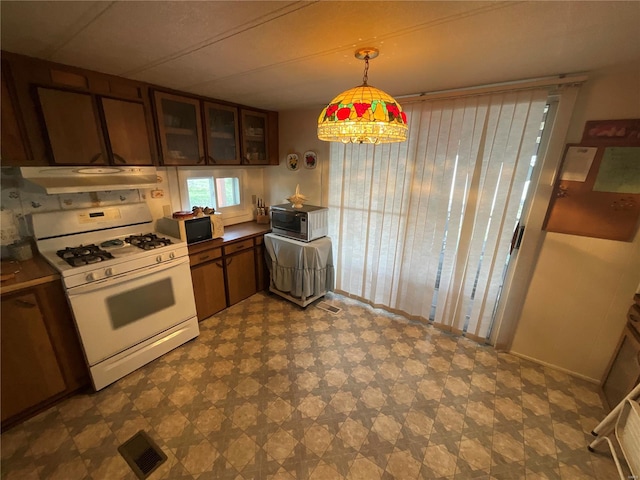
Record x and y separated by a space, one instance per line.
17 198
20 200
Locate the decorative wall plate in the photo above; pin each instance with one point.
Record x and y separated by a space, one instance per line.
293 163
310 159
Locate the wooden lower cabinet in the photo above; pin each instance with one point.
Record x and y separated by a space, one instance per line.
241 276
41 357
208 286
226 274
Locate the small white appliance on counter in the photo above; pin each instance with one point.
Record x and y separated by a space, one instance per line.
128 287
194 229
305 224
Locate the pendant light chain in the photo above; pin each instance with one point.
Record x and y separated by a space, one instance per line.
366 69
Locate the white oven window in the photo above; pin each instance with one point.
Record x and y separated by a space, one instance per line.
132 305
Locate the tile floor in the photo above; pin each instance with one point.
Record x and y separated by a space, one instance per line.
271 391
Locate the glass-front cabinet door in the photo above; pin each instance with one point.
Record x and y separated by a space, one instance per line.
221 126
254 138
180 129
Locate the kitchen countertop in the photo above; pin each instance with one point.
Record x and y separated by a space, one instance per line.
231 234
27 273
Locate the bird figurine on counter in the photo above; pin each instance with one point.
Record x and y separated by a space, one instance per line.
297 199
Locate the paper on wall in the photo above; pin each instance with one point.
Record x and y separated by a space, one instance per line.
577 163
619 171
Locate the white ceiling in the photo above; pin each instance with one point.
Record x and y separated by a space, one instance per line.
293 54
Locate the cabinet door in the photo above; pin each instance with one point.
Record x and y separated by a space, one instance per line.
208 288
221 127
180 129
255 146
241 276
127 132
30 370
14 151
72 127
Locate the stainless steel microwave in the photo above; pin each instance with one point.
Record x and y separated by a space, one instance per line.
193 230
306 224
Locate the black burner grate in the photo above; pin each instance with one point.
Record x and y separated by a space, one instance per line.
83 255
148 241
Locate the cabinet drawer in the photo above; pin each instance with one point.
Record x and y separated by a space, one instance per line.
237 246
206 256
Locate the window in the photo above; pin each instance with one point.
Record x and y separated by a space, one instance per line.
201 192
204 192
227 192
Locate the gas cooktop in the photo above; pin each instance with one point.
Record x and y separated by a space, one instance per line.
77 256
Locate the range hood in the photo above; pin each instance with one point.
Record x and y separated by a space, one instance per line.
87 179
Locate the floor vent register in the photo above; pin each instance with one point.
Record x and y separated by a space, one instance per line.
142 454
329 308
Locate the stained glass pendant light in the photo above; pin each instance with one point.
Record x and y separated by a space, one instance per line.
363 114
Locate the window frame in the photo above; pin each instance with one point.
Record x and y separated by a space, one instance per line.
191 173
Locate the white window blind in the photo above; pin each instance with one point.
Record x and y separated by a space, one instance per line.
424 227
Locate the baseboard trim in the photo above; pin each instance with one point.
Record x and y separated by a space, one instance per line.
555 367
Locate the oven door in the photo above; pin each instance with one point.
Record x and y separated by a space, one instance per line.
119 312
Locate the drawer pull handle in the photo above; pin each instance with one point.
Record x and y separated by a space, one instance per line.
204 257
218 264
229 260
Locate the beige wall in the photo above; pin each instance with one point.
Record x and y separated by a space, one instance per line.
576 304
297 135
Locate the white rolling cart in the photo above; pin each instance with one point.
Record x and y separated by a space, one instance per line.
626 416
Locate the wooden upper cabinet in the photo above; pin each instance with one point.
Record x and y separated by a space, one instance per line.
255 144
63 115
72 127
14 147
127 133
179 129
230 136
221 127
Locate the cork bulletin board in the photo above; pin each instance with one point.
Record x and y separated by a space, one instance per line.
597 193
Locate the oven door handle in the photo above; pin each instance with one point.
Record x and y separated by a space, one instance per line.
127 277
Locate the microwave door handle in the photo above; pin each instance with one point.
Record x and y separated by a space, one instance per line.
126 277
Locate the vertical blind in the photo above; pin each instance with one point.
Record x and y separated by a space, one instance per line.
424 227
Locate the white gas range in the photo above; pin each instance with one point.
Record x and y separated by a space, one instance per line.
129 288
